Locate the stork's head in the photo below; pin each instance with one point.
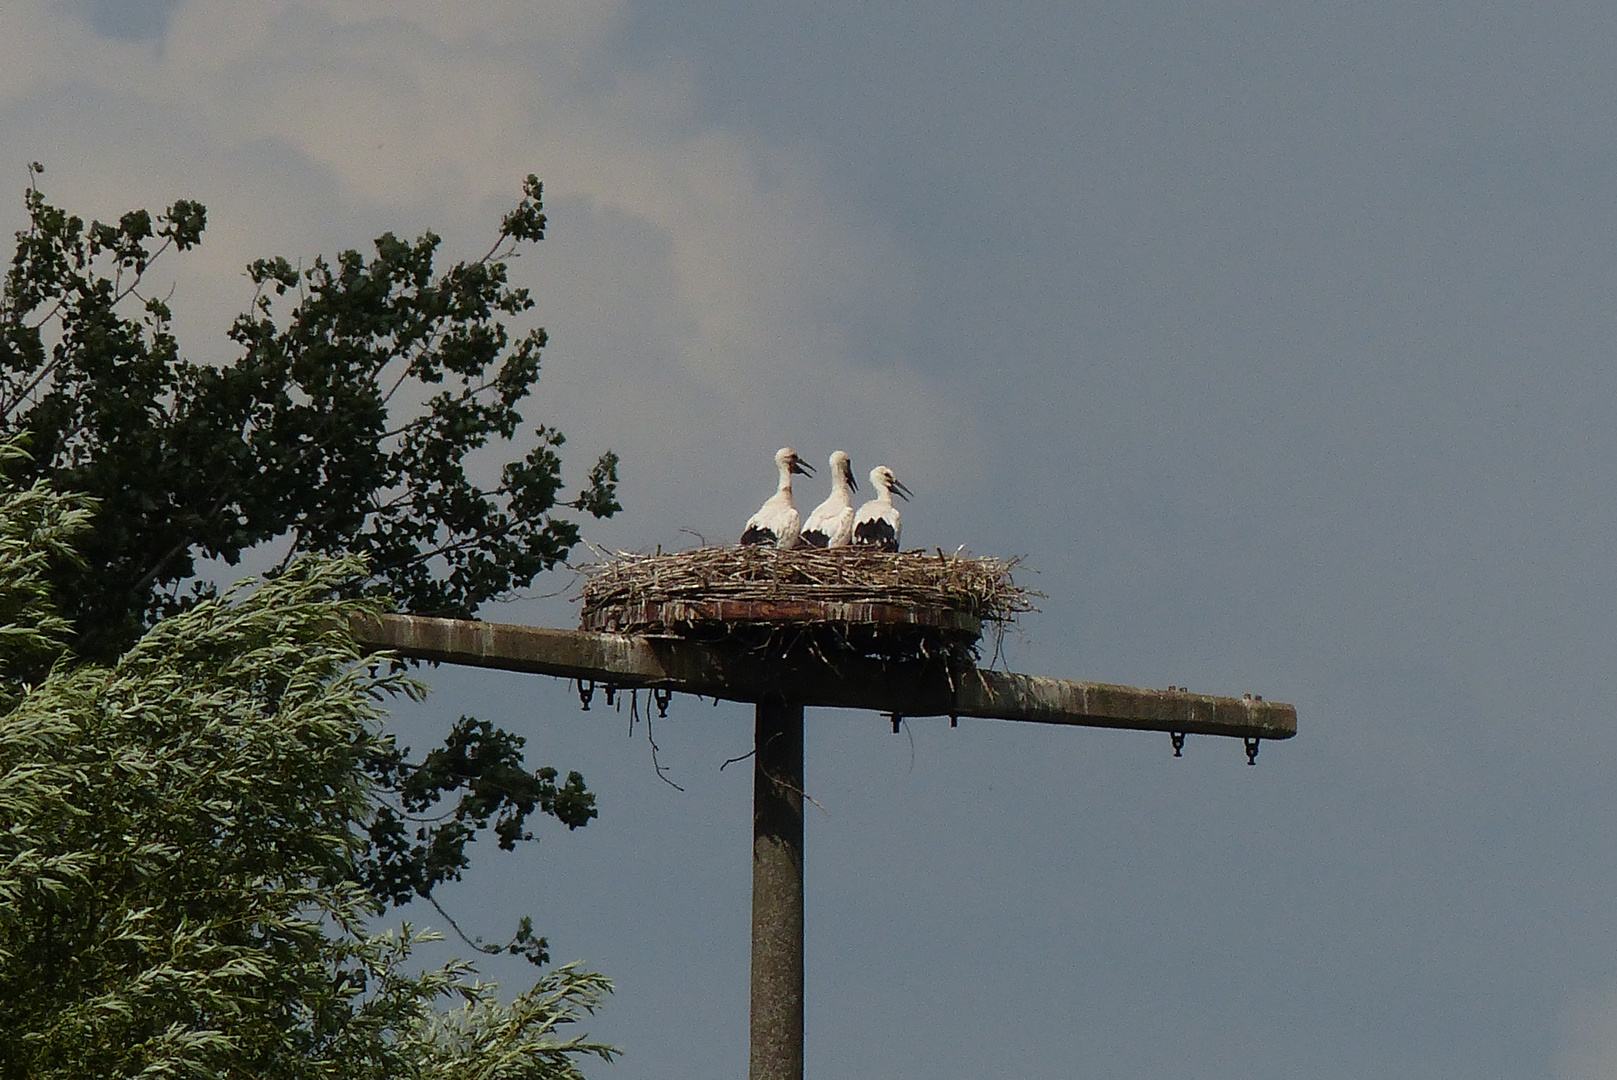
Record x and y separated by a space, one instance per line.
842 465
786 458
882 478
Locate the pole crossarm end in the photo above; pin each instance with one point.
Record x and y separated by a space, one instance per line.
1006 695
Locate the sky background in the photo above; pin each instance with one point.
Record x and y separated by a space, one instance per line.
1276 338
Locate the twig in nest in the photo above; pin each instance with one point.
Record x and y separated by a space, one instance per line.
983 587
664 595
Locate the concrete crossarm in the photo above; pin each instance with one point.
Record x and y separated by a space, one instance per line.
909 689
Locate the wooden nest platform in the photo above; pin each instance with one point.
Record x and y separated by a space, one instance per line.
861 600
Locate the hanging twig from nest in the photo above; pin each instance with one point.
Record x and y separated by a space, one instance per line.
656 763
778 782
734 760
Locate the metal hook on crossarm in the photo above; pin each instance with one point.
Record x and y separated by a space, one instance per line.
662 697
1251 750
1178 738
586 692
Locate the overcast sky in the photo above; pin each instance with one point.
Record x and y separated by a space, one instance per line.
1276 338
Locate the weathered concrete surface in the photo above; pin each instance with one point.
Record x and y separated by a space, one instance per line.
777 893
743 674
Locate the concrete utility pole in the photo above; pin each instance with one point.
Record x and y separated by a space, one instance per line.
781 687
777 891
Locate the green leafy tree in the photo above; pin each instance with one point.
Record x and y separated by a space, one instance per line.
343 426
360 388
179 833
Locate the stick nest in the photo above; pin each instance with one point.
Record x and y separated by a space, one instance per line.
976 586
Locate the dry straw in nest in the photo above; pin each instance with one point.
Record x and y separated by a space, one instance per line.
976 586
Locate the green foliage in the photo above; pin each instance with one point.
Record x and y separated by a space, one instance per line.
487 763
361 387
344 425
37 530
178 892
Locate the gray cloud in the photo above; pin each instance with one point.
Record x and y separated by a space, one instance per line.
127 20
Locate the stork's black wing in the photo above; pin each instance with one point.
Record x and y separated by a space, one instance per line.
876 533
757 534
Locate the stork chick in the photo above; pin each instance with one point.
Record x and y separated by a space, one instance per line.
777 520
831 523
877 523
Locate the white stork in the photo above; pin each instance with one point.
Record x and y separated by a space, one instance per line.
831 524
877 524
776 521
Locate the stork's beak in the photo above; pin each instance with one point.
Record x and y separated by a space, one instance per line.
853 485
900 490
801 466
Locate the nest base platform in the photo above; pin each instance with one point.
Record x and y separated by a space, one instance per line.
681 618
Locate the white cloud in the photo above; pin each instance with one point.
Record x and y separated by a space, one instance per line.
698 287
